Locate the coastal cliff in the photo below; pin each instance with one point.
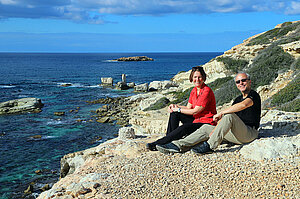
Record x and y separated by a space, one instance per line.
268 167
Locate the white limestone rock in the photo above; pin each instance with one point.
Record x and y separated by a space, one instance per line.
271 148
126 133
23 105
142 87
162 85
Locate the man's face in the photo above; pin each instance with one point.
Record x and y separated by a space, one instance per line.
242 82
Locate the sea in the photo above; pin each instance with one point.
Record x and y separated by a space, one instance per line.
32 144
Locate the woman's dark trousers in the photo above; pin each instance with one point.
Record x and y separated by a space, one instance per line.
176 132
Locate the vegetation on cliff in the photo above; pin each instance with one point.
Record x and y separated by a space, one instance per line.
233 65
287 98
279 35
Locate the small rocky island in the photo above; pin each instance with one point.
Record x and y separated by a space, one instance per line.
135 58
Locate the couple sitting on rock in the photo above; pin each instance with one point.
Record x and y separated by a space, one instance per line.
203 129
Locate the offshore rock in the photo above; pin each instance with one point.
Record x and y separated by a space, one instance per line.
107 81
136 58
122 86
23 105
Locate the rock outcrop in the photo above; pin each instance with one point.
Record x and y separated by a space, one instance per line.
136 58
23 105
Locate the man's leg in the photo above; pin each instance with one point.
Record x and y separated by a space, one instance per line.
200 135
233 124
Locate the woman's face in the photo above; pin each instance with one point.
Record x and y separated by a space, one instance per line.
197 79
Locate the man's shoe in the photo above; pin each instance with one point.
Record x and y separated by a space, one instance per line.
151 146
168 148
202 149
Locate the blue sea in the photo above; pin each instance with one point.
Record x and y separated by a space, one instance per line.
41 75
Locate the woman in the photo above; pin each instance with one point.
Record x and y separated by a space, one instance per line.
200 110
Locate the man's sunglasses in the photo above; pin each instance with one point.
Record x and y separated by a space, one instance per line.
239 81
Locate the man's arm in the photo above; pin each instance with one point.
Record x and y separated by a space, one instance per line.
234 108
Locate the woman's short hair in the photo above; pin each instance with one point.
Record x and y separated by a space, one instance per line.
200 69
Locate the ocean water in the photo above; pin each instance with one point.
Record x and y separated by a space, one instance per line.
41 75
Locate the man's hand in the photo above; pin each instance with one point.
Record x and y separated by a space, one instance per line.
217 116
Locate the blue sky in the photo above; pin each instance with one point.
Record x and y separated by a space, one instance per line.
137 25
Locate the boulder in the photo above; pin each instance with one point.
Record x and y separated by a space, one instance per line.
59 113
147 102
162 85
126 133
131 84
271 148
141 87
103 120
107 81
23 105
122 86
66 85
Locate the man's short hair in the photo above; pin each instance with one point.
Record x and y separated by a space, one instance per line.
241 72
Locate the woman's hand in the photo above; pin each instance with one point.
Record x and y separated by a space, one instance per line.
172 108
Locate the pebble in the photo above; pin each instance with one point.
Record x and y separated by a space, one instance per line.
218 175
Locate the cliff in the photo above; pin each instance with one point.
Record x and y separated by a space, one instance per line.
268 167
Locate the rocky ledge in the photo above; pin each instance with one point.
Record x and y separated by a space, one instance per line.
124 168
23 105
136 58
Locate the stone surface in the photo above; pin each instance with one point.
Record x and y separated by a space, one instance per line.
142 87
107 81
264 149
292 48
162 85
23 105
122 86
126 133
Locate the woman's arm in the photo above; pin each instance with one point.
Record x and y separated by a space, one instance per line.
188 110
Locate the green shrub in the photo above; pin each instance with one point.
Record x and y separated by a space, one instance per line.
161 103
296 65
218 83
286 24
181 97
266 65
288 93
234 65
293 106
226 93
277 33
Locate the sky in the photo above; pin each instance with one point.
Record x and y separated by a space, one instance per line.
137 25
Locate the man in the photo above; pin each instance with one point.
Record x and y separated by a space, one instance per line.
237 124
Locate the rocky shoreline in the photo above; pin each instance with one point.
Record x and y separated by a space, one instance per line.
122 167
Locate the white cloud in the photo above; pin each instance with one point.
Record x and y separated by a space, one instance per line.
294 8
7 2
79 10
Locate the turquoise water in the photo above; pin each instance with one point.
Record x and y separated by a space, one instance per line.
40 75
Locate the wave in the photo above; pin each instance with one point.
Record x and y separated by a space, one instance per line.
76 85
7 86
41 137
109 61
